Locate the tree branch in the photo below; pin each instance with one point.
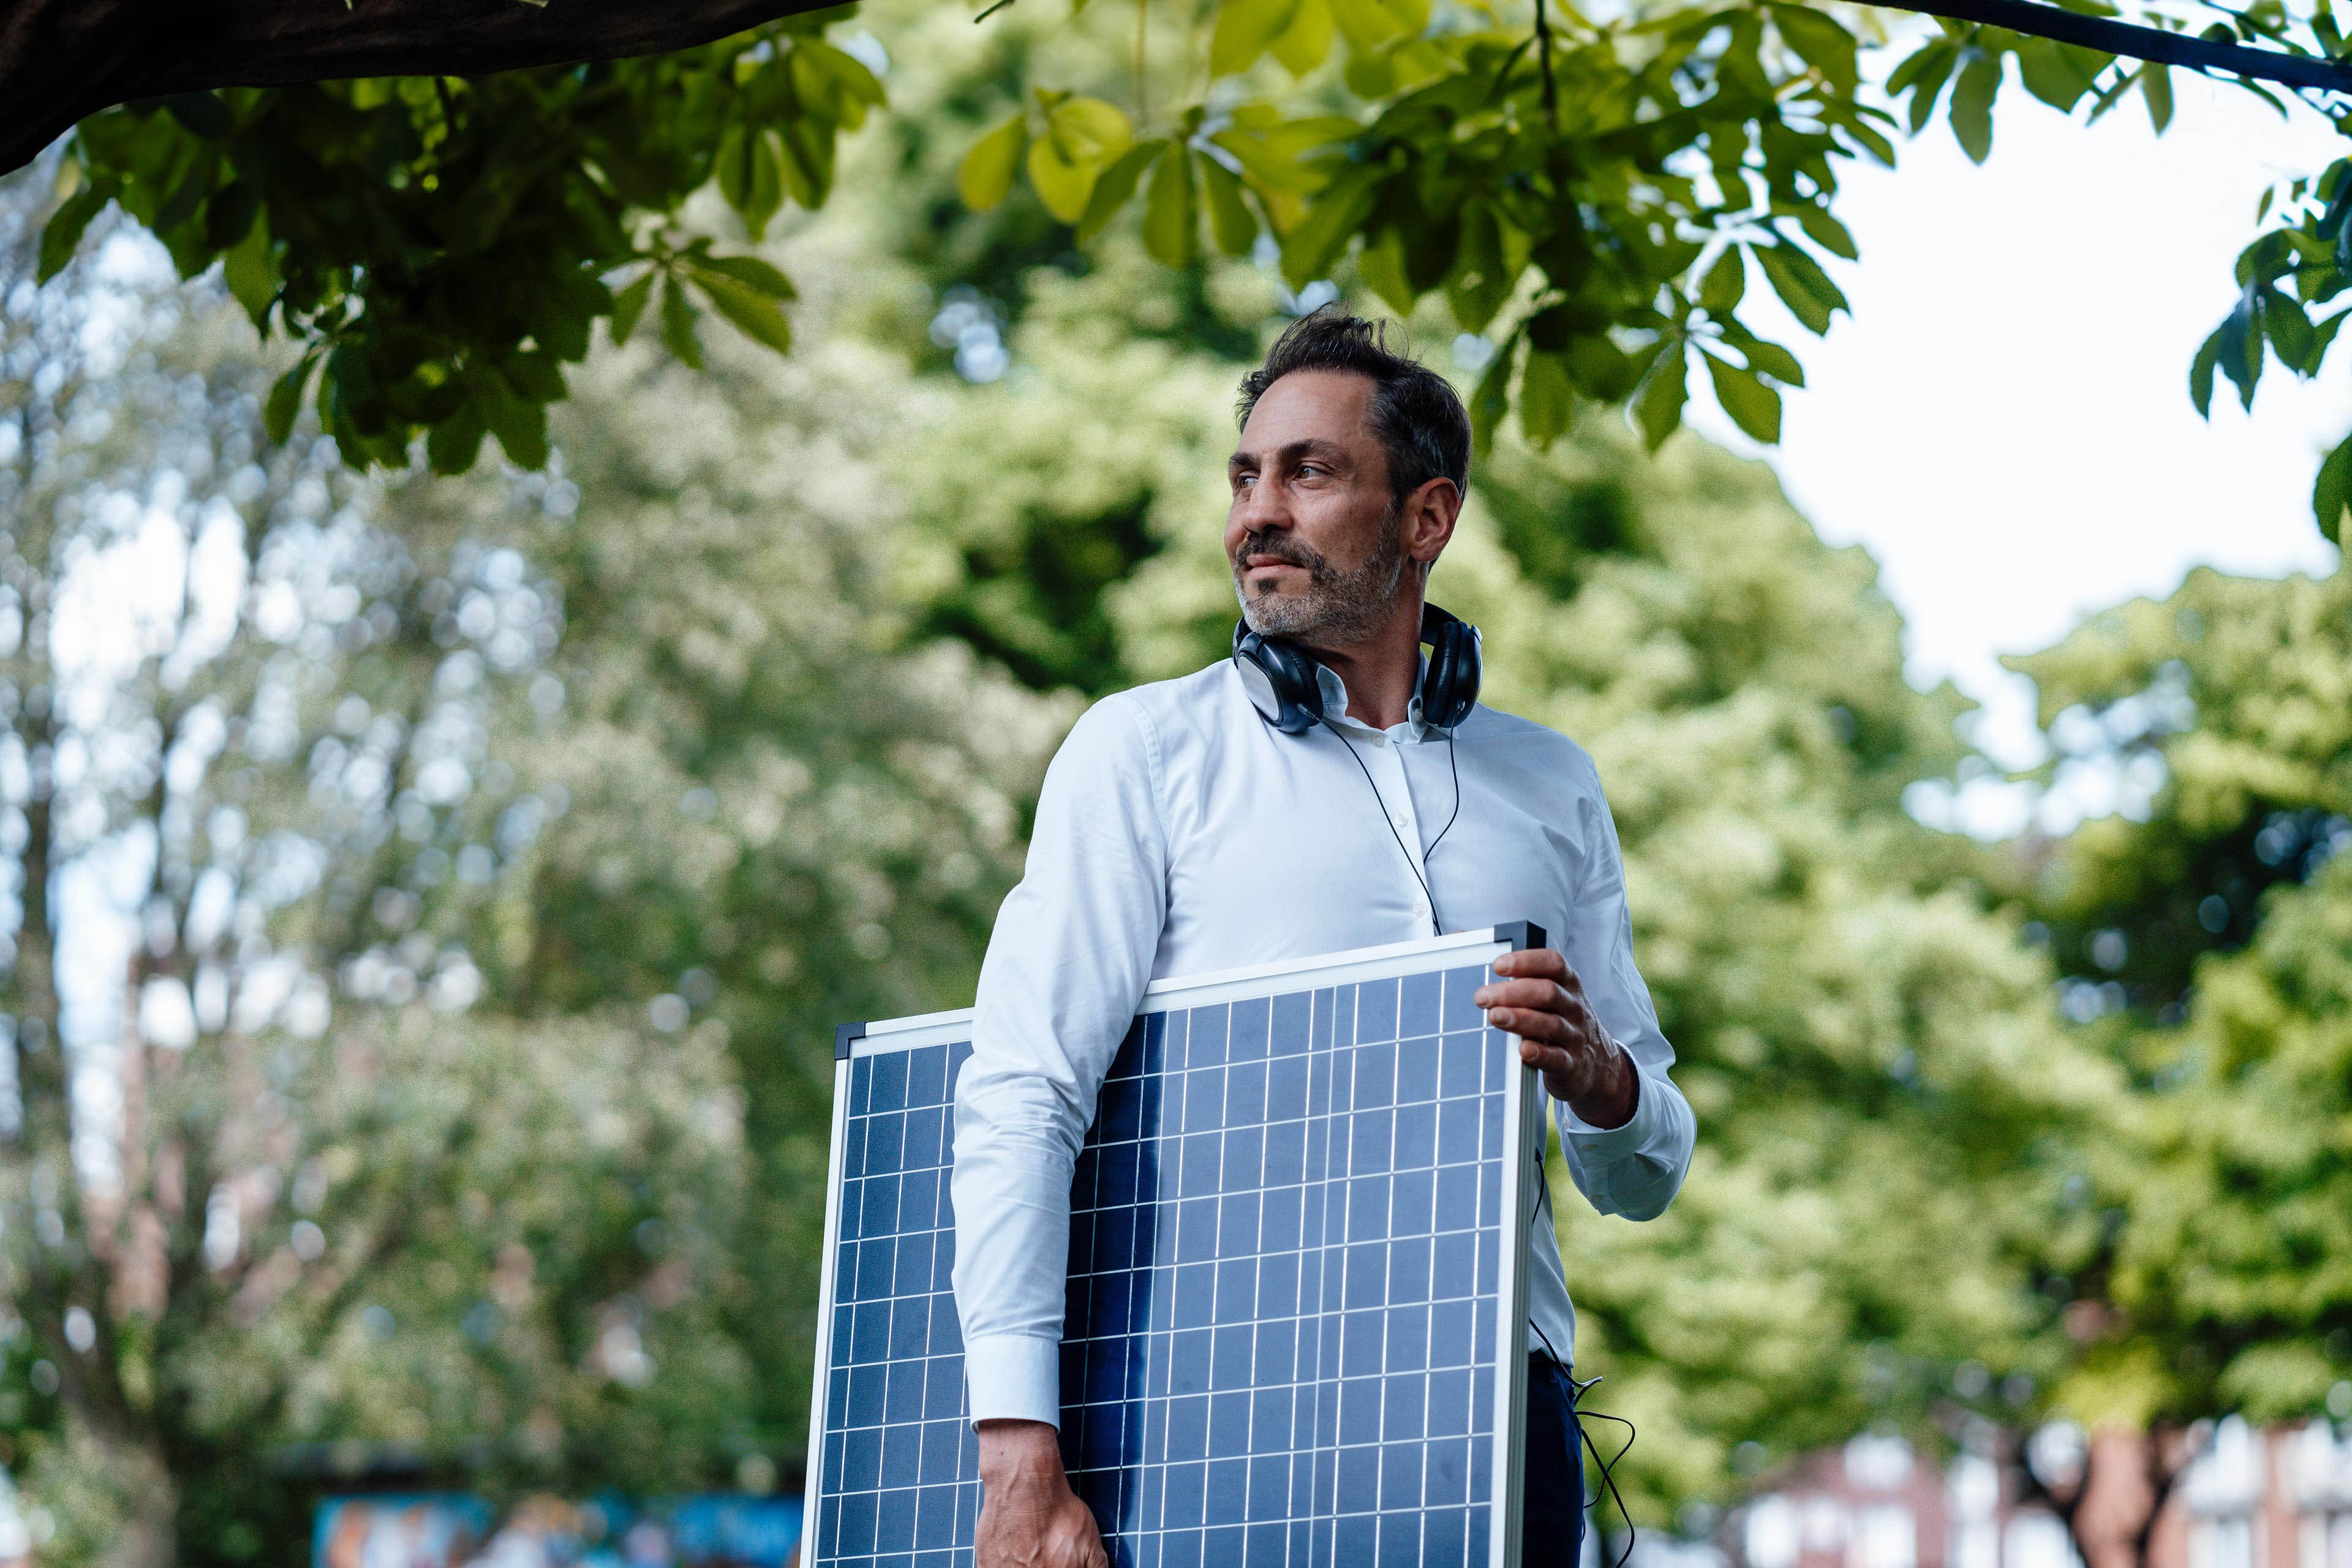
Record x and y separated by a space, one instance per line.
2142 43
62 60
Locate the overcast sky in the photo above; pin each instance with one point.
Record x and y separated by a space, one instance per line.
2005 420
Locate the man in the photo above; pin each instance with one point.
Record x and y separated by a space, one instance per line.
1180 832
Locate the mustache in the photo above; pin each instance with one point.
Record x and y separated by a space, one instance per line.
1288 550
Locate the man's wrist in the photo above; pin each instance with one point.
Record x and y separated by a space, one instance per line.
1014 1451
1619 1096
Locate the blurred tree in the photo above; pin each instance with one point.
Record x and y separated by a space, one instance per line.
2216 719
248 760
1593 195
780 818
2199 932
586 815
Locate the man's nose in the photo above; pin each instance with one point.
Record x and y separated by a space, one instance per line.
1261 510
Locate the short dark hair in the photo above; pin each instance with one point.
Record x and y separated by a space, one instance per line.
1415 415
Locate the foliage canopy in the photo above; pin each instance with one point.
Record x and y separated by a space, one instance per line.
1594 193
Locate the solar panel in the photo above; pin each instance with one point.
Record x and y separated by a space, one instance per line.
1298 1302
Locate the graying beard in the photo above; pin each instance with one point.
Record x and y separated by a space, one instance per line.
1339 608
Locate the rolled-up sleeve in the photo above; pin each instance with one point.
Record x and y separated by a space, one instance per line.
1066 970
1634 1170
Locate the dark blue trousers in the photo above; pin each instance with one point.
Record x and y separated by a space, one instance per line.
1553 1533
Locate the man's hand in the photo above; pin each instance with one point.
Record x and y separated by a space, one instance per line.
1540 1000
1029 1517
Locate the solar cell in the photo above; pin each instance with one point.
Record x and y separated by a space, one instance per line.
1297 1309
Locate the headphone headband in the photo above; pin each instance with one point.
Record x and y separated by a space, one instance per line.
1280 674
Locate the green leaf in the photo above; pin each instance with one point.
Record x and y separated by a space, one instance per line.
738 149
285 399
1084 136
759 277
2241 346
1307 42
755 314
202 113
519 423
1118 184
1546 399
766 198
63 232
1366 24
1658 406
1915 66
1381 267
1231 222
678 317
2324 335
986 176
1315 242
1765 355
453 444
1802 284
2156 86
1828 233
1246 29
1172 212
1724 286
1491 398
1820 42
1753 406
2332 491
2200 371
1483 274
630 304
1972 98
2060 75
1934 62
249 268
2290 331
229 215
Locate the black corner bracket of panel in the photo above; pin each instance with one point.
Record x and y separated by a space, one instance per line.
843 1034
1521 934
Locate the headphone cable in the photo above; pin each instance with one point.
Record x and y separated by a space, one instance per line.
1436 925
1455 767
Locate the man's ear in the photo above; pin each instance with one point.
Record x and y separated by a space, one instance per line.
1429 514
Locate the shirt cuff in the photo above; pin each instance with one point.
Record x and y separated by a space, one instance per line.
1600 1145
1014 1377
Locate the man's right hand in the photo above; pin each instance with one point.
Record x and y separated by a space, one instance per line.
1029 1517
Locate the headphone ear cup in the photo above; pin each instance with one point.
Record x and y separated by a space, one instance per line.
1450 688
1438 682
1280 681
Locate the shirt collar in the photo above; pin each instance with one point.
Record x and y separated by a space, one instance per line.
1335 704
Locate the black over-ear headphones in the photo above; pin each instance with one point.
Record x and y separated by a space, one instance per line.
1280 674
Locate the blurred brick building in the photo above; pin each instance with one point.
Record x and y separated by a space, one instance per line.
2274 1498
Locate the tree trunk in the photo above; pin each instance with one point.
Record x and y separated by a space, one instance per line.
63 59
149 1535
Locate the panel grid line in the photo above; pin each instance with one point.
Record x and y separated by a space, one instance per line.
1282 1339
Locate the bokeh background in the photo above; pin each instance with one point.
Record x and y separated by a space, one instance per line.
436 896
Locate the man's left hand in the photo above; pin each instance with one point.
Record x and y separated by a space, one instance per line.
1540 1000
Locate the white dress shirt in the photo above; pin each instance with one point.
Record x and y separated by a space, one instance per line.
1179 833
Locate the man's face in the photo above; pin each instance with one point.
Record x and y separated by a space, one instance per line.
1314 535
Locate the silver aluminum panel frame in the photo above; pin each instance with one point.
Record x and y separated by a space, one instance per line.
1523 1173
